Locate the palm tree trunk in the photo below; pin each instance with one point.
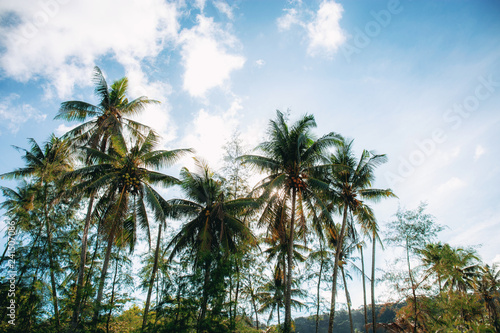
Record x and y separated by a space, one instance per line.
205 296
4 251
29 255
231 319
318 288
152 280
335 270
288 293
364 288
348 299
51 263
279 318
112 297
32 291
254 306
104 271
81 269
372 283
86 292
238 278
413 288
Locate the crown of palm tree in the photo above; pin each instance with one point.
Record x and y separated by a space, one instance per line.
214 225
108 118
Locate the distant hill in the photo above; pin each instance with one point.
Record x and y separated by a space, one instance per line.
385 314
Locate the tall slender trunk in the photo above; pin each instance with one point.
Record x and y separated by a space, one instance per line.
348 299
4 251
81 269
288 293
32 291
372 283
364 288
279 318
178 300
335 270
86 291
29 255
104 270
112 296
152 280
204 300
321 264
51 260
254 304
256 314
413 288
238 278
52 277
231 319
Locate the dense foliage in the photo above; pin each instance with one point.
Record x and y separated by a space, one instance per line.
94 245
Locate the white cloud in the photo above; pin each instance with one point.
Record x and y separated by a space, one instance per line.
224 8
209 133
286 21
205 57
497 259
156 116
325 34
13 115
479 152
452 184
260 63
200 4
62 40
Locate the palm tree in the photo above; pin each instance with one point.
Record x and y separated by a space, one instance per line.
214 229
350 243
363 276
46 166
125 177
461 268
488 284
252 284
18 205
320 256
271 294
290 158
375 238
351 179
433 257
106 119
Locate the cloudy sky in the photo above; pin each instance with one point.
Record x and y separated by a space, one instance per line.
416 80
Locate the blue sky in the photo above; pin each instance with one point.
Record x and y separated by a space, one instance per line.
416 80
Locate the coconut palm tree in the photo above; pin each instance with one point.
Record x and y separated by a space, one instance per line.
107 118
375 239
126 176
290 158
271 294
46 165
214 229
488 285
350 182
363 276
461 268
350 244
18 205
433 257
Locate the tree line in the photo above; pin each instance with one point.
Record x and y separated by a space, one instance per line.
84 201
